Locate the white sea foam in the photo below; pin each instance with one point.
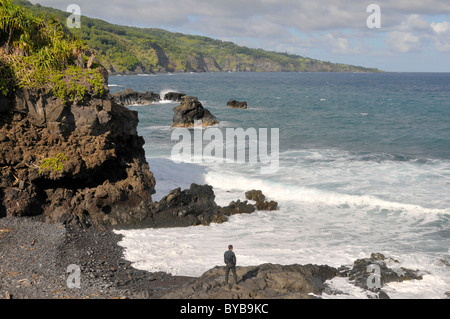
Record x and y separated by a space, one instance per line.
165 102
334 209
164 92
170 175
335 206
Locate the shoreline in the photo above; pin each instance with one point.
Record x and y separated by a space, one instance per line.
133 73
35 256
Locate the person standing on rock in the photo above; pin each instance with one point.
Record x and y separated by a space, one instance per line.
230 261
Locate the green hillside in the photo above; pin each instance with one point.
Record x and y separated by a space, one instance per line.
39 53
123 49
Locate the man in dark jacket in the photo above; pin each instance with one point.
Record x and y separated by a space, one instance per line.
230 261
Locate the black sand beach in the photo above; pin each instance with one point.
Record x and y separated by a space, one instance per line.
35 256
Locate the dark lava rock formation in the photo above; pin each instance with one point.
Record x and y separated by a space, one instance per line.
237 104
131 97
389 271
266 281
174 96
95 169
260 199
271 281
190 111
190 207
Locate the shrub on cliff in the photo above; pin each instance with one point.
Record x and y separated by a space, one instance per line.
40 52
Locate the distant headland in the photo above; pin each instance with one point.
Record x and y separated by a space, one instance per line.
129 50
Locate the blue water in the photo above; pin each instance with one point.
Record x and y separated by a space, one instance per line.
401 115
364 167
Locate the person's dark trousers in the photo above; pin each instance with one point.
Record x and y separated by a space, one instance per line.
231 267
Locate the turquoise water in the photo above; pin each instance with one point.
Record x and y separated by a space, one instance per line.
364 167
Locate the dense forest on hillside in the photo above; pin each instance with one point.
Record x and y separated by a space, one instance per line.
36 52
124 49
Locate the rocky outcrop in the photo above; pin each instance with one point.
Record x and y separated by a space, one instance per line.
389 271
267 281
174 96
131 97
190 112
270 281
237 104
190 207
255 195
260 199
238 207
75 162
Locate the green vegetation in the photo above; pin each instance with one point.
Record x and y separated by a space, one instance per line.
128 49
37 51
68 91
55 164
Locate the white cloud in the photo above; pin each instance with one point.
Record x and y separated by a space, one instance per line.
442 36
441 27
336 28
414 22
340 44
403 42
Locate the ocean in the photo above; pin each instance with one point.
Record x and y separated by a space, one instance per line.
364 167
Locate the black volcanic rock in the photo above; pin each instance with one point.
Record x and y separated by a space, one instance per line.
191 111
255 195
267 281
237 104
260 199
190 207
238 207
131 97
273 281
174 96
104 178
390 271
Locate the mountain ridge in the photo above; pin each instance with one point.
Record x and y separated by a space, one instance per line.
133 50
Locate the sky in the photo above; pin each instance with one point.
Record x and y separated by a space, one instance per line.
394 35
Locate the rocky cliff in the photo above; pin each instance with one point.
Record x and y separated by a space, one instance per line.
271 281
78 161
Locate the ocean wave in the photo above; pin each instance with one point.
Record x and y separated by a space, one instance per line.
330 155
306 195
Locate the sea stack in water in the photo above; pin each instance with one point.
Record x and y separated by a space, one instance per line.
190 112
236 104
131 97
173 96
260 199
